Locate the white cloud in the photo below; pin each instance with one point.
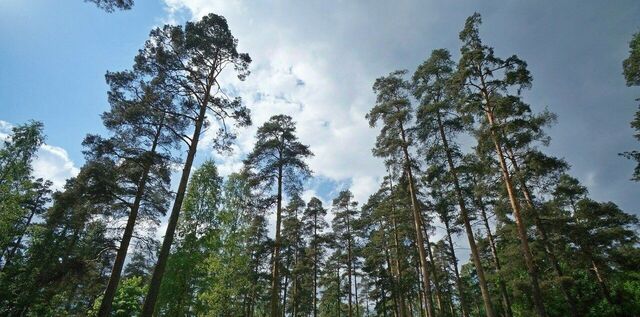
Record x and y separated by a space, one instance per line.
53 163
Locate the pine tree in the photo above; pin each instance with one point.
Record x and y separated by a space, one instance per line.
142 138
481 182
345 213
485 77
293 247
437 120
314 226
189 62
278 161
393 108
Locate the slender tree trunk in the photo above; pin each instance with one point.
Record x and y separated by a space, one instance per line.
339 295
284 296
156 279
121 255
486 297
542 233
315 265
411 308
355 291
515 206
420 290
13 251
366 301
436 281
417 218
384 301
452 309
602 283
506 301
295 284
397 268
275 266
464 307
349 263
390 268
400 304
254 291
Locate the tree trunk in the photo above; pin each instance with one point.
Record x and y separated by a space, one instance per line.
384 302
420 290
315 265
275 266
464 308
121 255
506 302
284 295
294 296
436 281
355 291
13 251
417 218
349 263
339 297
390 268
398 270
400 304
156 279
602 283
515 206
486 297
542 233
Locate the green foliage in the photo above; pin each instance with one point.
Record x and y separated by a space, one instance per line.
128 299
18 189
631 67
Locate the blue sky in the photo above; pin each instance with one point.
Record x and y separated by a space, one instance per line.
53 58
316 60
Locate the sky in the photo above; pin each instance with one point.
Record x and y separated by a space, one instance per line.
317 61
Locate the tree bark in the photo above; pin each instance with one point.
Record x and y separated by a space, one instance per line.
284 295
515 206
464 308
602 283
355 292
506 301
390 268
486 297
156 279
417 218
349 263
542 233
121 255
315 265
400 304
275 270
436 281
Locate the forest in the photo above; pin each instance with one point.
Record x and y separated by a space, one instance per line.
143 230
